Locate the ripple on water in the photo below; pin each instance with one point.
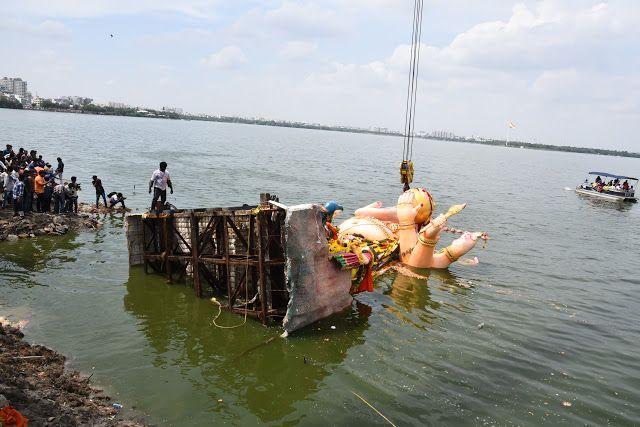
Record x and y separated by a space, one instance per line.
555 290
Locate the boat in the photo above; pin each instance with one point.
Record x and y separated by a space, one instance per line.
596 185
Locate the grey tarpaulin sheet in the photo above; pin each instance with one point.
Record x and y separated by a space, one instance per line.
317 288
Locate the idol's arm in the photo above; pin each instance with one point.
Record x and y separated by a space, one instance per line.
423 254
406 217
455 250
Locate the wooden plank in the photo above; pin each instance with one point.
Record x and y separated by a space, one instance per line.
225 237
195 262
263 292
238 233
167 248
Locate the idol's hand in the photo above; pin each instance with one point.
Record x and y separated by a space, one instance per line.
433 229
405 208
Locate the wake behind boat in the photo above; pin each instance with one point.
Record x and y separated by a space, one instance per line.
609 187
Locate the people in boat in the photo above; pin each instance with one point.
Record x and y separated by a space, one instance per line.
625 185
598 179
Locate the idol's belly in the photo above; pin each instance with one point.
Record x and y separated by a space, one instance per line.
366 228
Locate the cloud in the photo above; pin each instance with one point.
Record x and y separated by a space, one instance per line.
298 50
293 20
48 29
200 9
306 20
543 63
49 62
227 57
185 35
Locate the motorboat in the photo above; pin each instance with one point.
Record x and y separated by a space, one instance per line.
609 186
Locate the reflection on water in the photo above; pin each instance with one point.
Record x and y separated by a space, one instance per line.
607 204
556 289
251 366
19 260
412 296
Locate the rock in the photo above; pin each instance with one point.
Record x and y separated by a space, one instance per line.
23 235
3 401
12 237
32 235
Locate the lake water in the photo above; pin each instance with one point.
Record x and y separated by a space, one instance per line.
556 287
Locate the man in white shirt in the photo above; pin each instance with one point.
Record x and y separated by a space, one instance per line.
160 180
8 182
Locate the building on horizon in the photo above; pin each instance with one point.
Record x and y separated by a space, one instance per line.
117 105
17 87
173 110
443 134
76 101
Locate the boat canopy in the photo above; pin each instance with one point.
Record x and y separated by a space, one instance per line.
610 175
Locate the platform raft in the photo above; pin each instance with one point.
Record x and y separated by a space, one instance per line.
268 261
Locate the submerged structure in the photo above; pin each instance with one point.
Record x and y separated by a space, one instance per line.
268 261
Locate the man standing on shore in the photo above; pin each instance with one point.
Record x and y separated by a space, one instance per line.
18 194
38 187
9 181
60 168
97 183
72 196
59 193
160 180
7 151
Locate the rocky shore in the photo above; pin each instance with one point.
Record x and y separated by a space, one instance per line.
41 224
34 381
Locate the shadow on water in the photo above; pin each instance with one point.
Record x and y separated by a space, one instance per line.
249 367
607 204
26 256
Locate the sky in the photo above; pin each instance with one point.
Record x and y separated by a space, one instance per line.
565 72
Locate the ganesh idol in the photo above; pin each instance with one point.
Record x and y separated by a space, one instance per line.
410 225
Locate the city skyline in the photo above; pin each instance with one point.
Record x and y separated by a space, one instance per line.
562 71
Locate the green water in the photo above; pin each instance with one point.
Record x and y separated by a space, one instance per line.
555 289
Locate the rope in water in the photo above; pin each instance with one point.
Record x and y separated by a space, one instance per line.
372 407
246 299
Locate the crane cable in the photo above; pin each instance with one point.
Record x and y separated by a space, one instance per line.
406 167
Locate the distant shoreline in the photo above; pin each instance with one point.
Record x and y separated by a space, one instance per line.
154 114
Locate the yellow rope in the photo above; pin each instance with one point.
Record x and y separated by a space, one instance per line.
371 406
246 298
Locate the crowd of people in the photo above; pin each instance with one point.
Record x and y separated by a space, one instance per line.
29 184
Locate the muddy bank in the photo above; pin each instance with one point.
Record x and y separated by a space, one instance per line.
41 224
33 380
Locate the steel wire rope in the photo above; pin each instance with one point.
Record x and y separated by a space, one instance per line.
405 147
412 77
417 72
